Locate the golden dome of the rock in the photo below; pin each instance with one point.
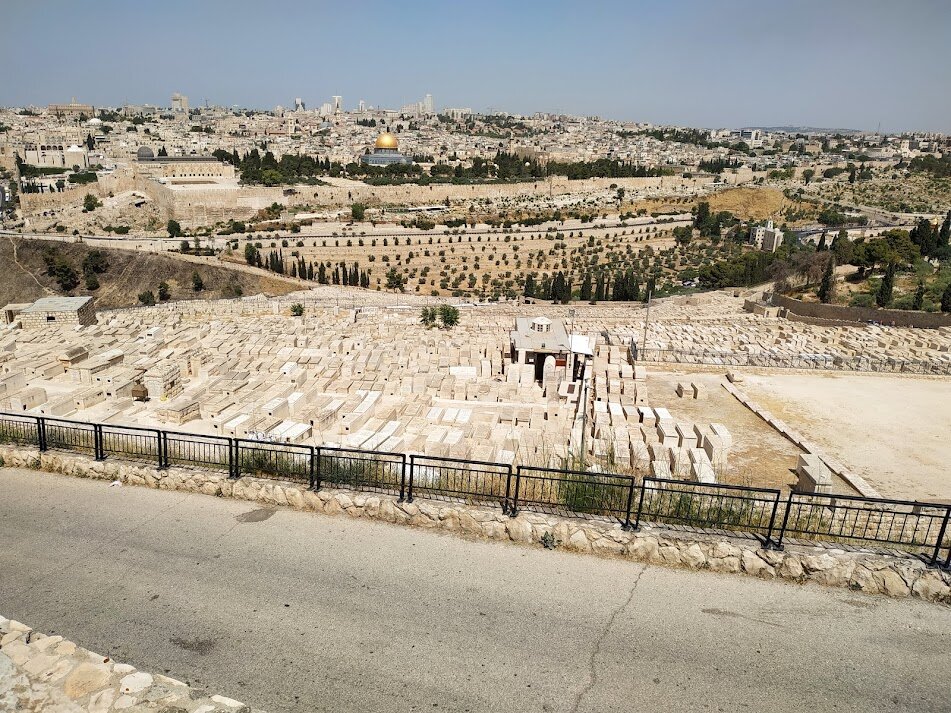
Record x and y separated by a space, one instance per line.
386 140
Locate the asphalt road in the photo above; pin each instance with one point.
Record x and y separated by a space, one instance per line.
293 611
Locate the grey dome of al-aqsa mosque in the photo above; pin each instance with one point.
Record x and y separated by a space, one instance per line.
144 154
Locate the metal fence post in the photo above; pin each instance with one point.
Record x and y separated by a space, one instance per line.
315 470
630 501
640 506
412 469
97 441
782 530
41 433
513 506
234 467
161 446
769 545
310 474
941 532
508 489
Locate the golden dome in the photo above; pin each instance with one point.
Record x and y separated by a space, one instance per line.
386 140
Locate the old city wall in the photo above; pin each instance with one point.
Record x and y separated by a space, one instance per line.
437 193
108 184
197 206
39 202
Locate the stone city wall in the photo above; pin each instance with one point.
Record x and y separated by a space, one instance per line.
196 206
892 575
49 673
38 202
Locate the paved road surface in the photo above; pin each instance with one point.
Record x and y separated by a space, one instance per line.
296 611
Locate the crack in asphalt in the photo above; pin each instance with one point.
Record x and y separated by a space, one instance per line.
596 649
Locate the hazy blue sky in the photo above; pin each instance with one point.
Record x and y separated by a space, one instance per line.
831 63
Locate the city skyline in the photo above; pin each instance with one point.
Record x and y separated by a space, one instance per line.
688 63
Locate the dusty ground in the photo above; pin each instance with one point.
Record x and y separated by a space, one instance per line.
893 431
760 456
749 203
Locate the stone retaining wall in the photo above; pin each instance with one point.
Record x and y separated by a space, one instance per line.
49 673
894 317
862 570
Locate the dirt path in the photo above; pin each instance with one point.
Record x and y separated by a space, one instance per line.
43 287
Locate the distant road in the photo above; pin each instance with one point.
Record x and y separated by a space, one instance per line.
293 611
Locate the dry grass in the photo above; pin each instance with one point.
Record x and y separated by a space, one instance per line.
129 274
749 203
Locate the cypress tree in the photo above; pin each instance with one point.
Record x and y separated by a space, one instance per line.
585 293
827 287
529 286
919 296
884 296
599 288
946 299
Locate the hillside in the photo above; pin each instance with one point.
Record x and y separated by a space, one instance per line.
128 273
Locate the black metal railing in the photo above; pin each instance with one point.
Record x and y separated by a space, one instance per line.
919 528
727 507
453 478
901 523
377 471
130 443
573 491
20 430
828 362
63 435
284 461
193 449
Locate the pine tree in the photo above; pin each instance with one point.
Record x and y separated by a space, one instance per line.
822 243
321 274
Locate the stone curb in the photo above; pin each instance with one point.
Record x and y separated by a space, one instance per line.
49 673
866 571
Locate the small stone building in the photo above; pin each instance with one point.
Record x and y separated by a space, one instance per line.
57 311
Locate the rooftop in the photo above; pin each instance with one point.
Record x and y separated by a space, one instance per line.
58 304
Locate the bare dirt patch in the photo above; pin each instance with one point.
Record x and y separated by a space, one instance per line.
893 431
749 203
